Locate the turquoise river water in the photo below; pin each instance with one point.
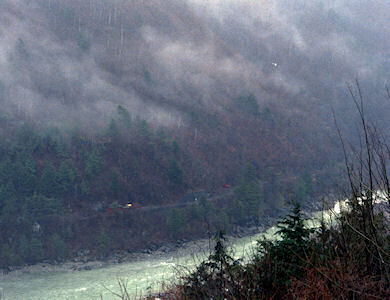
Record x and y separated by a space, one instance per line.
143 275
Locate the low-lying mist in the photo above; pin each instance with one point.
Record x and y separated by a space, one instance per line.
73 62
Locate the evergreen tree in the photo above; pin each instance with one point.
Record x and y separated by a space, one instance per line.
103 243
57 247
39 206
93 163
210 279
8 204
36 250
67 178
175 173
62 149
27 140
292 228
24 247
237 212
144 129
8 256
207 209
176 221
113 132
124 117
304 187
30 251
248 192
24 173
287 258
49 182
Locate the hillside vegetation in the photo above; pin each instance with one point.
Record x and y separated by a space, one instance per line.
337 262
62 192
344 257
113 112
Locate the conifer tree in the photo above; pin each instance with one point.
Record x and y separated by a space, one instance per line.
93 164
49 181
248 192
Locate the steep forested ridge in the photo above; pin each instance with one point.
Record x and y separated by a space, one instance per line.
109 102
65 191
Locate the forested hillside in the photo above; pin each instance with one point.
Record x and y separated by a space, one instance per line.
85 182
110 103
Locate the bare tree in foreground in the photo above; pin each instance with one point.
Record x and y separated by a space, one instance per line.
368 176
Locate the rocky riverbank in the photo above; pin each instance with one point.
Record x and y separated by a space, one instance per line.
85 261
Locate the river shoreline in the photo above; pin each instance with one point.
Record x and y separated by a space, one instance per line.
84 261
84 277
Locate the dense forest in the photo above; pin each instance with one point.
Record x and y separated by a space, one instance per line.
86 182
124 124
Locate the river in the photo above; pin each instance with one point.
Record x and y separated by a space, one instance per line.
144 274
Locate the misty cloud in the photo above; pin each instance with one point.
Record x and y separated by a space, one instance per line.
75 61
